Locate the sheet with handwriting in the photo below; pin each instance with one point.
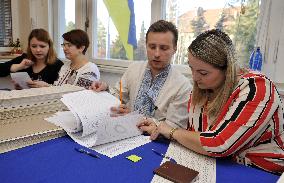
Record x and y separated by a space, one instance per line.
89 122
206 166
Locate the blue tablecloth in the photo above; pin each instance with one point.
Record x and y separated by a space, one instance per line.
57 161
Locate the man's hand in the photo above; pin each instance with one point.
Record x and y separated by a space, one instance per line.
121 110
99 86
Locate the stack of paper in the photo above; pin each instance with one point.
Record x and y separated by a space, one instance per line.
89 122
22 114
205 165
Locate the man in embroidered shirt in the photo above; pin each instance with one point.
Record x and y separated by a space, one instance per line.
154 88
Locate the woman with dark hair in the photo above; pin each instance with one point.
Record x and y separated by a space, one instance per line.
79 71
233 112
39 62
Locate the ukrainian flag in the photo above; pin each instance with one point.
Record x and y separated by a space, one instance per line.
122 14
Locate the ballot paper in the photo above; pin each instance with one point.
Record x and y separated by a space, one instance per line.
118 147
89 122
21 78
66 120
281 179
90 107
206 166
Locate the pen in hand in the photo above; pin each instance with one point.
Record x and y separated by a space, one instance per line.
161 154
120 91
86 152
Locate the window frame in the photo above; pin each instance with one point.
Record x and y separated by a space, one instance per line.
84 12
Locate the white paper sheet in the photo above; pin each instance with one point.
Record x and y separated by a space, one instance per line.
117 128
281 179
89 122
21 78
110 130
205 165
119 147
91 107
67 121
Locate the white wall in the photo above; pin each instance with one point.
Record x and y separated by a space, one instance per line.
27 15
21 21
270 38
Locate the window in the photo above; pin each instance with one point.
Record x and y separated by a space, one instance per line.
69 15
109 42
238 18
64 20
5 23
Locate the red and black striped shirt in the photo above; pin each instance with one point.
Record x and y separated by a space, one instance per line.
249 127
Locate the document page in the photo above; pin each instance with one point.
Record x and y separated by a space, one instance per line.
112 129
118 147
91 107
66 120
206 166
21 78
118 128
89 122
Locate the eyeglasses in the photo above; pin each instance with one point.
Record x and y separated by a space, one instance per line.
68 45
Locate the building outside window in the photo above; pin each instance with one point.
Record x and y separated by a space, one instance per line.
238 18
69 15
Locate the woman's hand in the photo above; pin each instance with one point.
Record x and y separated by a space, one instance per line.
98 86
37 84
121 110
26 63
147 125
16 85
163 129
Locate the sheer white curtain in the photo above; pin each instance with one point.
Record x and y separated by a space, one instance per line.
270 38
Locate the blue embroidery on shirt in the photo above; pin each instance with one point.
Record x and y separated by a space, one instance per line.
149 91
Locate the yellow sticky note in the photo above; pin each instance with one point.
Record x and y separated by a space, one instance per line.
134 158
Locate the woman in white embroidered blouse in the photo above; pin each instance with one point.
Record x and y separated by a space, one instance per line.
79 71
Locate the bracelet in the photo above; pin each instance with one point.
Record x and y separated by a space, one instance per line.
172 133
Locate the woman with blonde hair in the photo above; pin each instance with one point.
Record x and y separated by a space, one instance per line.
233 112
40 61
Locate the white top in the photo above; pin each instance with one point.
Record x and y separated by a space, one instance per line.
83 77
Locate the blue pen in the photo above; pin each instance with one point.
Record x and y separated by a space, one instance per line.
161 154
86 152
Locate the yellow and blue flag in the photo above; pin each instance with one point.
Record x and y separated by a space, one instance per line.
123 17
